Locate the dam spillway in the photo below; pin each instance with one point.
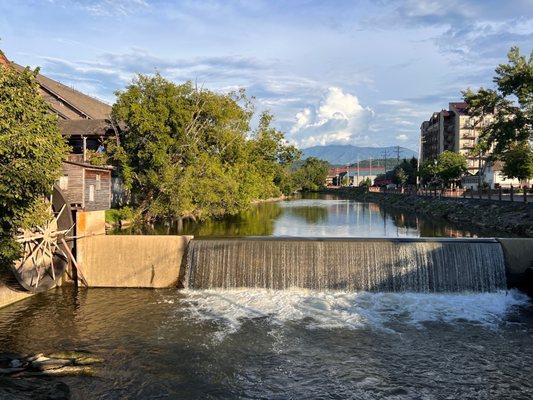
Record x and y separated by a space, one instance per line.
377 265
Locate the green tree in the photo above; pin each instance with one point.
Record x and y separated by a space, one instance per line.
31 152
191 152
312 174
450 166
509 107
518 162
428 170
400 177
345 180
365 183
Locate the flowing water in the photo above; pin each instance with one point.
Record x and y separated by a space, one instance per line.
270 344
347 264
294 318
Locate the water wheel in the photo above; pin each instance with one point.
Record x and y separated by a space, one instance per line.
46 249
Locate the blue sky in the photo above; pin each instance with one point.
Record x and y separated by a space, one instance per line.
358 72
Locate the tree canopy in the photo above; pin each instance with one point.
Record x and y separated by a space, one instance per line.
186 151
518 162
505 114
446 168
311 175
31 152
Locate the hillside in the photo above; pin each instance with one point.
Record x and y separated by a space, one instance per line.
347 154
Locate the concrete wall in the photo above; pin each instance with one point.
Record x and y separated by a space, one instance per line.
518 253
8 296
90 223
131 261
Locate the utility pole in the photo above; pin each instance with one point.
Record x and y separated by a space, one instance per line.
358 179
398 154
370 172
385 156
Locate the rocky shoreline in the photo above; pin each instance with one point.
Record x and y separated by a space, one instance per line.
513 217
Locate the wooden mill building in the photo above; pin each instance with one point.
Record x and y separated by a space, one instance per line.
85 122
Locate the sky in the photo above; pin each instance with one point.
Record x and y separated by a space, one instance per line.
355 72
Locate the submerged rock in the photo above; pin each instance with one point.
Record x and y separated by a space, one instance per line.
31 377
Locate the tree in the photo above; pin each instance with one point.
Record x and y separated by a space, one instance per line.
365 183
518 162
450 166
505 114
312 174
428 170
400 177
345 180
447 167
31 153
191 152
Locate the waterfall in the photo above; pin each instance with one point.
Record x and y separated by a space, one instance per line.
384 265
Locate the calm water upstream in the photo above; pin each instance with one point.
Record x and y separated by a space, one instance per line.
322 215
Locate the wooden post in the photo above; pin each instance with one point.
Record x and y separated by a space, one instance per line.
500 193
480 191
512 193
471 192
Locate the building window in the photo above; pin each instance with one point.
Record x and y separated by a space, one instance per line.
91 193
63 182
98 182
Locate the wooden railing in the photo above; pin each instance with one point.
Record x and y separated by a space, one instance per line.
511 194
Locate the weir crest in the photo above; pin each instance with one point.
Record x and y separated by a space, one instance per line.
377 265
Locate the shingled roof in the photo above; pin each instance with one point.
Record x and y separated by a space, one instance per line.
68 103
86 127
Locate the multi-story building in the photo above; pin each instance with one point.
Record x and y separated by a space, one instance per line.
450 130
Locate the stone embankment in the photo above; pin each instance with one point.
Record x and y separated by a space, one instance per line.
512 217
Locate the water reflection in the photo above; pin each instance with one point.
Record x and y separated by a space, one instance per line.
320 216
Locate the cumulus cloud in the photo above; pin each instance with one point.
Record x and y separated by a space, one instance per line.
339 118
402 137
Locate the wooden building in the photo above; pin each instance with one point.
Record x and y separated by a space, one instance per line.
85 122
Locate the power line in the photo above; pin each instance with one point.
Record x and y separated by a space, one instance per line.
385 155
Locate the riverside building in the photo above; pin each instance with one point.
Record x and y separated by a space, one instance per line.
450 130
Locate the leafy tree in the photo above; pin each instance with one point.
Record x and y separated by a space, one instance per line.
518 162
31 152
345 180
428 170
191 152
400 177
365 183
509 107
312 174
450 166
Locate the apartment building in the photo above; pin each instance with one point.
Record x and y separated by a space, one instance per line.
450 130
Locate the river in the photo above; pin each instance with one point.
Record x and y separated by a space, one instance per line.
321 215
254 343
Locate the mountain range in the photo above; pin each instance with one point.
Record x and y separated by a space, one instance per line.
342 154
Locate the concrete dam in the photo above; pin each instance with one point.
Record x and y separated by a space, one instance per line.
425 265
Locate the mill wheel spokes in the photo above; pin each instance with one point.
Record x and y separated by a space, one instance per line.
45 256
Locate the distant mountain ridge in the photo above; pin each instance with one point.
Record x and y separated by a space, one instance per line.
342 154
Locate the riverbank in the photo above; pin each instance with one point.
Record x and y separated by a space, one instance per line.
515 218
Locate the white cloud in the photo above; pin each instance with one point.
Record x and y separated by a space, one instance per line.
402 137
339 118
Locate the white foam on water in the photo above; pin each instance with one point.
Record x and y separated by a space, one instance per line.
362 310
